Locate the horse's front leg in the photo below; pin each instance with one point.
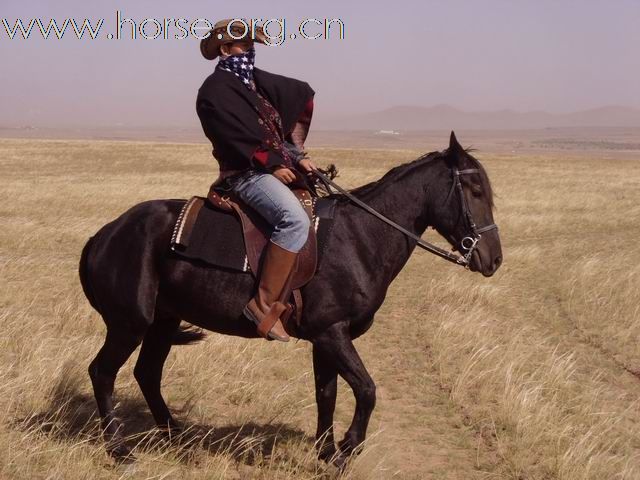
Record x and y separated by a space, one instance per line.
335 344
326 377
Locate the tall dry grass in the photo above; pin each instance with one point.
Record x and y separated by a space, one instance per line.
535 356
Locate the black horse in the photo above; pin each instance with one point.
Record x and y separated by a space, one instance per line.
143 290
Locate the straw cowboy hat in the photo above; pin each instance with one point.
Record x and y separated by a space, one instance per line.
218 35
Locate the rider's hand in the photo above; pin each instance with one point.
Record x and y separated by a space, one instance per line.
284 174
307 166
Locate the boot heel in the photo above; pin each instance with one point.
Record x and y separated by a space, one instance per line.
249 314
268 309
272 321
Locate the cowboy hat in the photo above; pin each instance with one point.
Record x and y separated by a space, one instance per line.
218 35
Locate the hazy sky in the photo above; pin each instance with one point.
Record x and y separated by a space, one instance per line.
554 55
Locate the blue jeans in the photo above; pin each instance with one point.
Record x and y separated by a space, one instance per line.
278 205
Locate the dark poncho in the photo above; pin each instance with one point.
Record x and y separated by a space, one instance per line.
228 112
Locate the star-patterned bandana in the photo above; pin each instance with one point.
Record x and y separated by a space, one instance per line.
241 64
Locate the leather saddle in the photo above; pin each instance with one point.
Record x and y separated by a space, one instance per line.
256 233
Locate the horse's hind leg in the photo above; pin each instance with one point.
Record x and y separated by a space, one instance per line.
117 348
326 379
148 371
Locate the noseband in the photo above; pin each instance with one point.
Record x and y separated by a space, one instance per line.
468 243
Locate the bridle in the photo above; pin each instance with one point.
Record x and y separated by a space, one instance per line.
468 243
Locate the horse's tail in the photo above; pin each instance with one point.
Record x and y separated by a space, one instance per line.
84 275
186 335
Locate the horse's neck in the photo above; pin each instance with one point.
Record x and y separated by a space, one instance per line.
405 201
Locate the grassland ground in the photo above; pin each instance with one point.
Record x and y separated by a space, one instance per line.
531 374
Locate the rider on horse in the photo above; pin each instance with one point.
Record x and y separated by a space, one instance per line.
257 122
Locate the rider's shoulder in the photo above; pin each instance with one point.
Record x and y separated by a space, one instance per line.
218 79
262 75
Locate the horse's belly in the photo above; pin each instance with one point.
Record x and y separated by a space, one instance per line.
207 297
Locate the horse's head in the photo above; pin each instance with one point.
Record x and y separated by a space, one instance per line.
463 210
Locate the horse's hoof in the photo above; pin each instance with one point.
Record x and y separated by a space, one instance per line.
340 461
121 453
327 453
172 429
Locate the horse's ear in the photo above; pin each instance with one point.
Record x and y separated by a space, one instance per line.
453 143
455 149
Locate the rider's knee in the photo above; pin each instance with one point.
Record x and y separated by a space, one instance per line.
295 227
299 224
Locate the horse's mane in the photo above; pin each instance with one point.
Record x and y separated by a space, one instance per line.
395 173
405 168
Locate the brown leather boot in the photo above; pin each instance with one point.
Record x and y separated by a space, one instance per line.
269 306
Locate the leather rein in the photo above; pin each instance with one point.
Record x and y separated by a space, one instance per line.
468 243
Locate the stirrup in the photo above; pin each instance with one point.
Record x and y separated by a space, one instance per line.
277 311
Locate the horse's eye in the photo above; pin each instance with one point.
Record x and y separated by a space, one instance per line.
476 191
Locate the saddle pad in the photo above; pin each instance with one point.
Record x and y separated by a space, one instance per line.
216 236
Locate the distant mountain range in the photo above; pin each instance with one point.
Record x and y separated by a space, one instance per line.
446 117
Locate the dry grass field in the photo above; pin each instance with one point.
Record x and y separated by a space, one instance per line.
531 374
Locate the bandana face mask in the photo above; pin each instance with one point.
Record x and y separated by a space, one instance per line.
241 64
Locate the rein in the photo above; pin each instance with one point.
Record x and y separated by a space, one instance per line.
468 243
